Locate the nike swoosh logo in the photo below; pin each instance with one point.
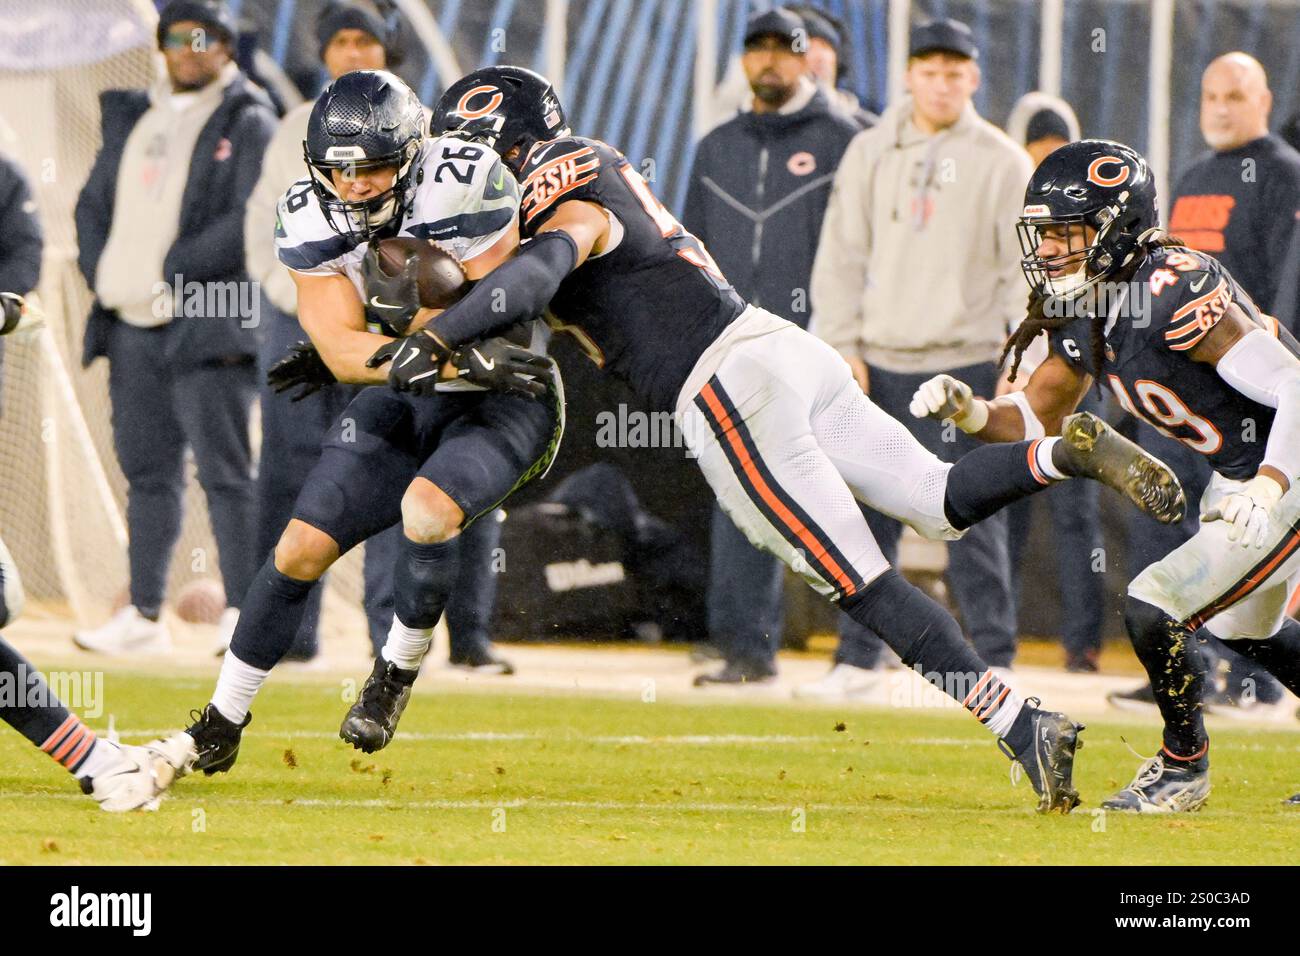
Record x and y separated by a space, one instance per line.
1196 286
487 366
541 153
407 361
499 183
374 300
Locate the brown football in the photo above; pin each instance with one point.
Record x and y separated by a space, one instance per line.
441 279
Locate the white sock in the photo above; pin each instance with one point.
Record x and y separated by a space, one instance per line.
406 646
1043 458
103 754
236 688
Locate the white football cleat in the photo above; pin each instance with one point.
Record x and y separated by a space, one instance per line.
126 632
134 781
843 682
226 630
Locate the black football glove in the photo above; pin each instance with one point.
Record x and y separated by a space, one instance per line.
417 362
304 367
392 300
502 367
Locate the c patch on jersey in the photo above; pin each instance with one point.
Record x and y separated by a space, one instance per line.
552 180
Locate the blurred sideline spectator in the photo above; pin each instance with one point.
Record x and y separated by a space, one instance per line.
21 240
918 272
1238 203
160 234
757 195
826 65
1042 123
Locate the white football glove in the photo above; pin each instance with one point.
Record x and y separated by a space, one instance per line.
946 399
1246 509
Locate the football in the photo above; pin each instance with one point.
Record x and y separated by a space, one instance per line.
441 278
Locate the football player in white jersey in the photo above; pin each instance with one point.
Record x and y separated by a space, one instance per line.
434 463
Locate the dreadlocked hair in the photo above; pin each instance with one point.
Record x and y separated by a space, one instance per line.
1037 321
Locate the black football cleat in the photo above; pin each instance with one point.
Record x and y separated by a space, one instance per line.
372 721
216 740
1293 800
480 658
738 672
1049 761
1095 450
1164 787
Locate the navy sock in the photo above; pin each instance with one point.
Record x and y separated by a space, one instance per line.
1279 655
1172 658
987 479
34 712
423 579
929 640
270 616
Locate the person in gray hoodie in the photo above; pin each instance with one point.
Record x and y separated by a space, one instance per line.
917 272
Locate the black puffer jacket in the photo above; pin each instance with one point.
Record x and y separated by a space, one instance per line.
757 196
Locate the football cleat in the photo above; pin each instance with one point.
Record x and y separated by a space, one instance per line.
1293 800
126 632
841 682
1095 450
372 721
738 672
215 740
135 780
1049 761
481 658
1161 787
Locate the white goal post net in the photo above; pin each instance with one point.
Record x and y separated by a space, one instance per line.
62 495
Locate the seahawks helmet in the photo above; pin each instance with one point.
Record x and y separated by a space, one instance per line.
364 119
504 107
1098 183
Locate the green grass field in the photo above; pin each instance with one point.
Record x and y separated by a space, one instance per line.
514 778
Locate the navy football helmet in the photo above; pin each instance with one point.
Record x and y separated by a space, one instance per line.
503 107
364 119
1097 183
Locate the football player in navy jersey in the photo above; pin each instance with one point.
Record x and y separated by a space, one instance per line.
783 435
434 462
1183 347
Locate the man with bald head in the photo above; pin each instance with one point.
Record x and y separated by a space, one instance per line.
1240 201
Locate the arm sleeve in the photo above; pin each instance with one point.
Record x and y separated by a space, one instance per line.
217 250
20 233
839 272
515 291
1265 371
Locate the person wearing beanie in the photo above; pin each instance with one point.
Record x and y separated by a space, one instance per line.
825 60
160 237
1041 123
